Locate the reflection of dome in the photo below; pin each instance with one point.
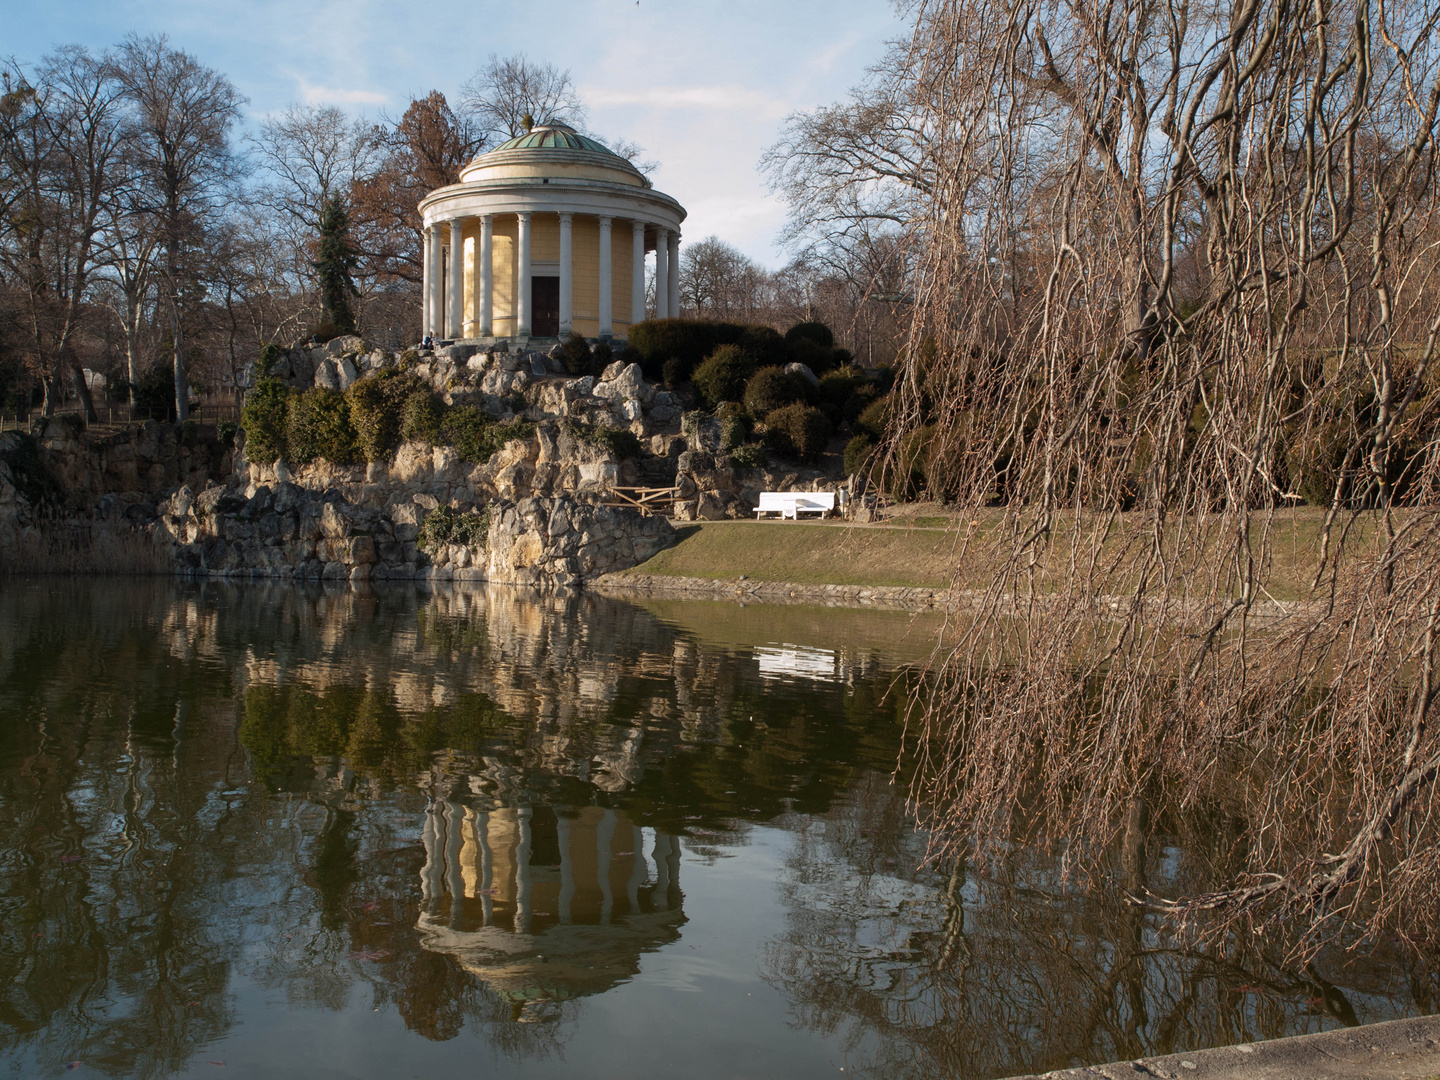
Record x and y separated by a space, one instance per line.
546 905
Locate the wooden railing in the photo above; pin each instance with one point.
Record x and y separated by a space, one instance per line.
654 501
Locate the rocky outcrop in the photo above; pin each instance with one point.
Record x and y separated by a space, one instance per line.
290 532
561 541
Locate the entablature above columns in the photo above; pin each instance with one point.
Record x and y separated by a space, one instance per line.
570 197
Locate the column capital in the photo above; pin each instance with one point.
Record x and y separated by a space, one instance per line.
567 216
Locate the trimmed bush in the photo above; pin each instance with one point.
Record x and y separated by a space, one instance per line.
817 357
857 453
420 418
722 377
673 373
817 332
855 405
797 431
263 420
687 341
772 388
377 404
765 346
836 388
317 425
874 418
600 357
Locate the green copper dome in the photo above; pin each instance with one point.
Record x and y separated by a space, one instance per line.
554 136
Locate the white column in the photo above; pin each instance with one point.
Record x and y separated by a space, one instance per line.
674 303
662 273
425 283
437 255
637 273
486 317
567 280
456 327
606 327
522 279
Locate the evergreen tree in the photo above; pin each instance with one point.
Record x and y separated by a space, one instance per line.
334 267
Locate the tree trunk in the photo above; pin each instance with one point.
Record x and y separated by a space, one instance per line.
182 389
82 393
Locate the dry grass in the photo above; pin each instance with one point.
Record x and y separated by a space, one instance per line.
63 548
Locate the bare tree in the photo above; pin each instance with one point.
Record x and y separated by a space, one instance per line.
507 90
1177 271
59 142
181 116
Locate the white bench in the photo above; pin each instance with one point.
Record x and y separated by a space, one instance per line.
791 504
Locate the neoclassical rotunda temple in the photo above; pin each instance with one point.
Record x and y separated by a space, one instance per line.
544 235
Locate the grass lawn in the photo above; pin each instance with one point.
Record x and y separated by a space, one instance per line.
808 553
919 551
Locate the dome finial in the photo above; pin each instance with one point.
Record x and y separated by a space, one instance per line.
528 121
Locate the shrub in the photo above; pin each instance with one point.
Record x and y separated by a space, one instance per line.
771 388
750 456
225 432
688 341
836 388
155 392
600 357
317 425
874 418
722 377
734 428
857 453
618 440
817 357
575 354
326 330
420 418
817 332
673 373
445 526
263 419
377 403
270 355
855 405
468 430
842 357
797 431
764 346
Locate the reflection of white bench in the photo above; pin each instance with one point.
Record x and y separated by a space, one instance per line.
791 504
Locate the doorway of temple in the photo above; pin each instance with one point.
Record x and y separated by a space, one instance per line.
545 306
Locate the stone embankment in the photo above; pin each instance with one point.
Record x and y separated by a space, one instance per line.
885 597
1397 1050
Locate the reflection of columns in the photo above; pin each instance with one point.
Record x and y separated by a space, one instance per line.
487 866
664 845
605 288
456 326
603 832
567 284
637 272
638 871
674 303
522 873
486 317
425 284
662 273
431 879
567 866
522 279
454 815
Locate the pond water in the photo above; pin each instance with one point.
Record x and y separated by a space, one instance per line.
310 833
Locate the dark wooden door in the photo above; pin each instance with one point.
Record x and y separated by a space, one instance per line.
545 306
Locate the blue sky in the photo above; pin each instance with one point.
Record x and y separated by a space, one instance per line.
703 87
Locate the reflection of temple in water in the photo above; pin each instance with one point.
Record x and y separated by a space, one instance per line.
546 904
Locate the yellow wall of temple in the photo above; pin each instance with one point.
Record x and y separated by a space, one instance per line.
545 247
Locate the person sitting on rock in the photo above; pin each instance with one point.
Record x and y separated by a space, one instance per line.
427 342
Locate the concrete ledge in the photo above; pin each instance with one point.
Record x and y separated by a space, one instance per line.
1396 1050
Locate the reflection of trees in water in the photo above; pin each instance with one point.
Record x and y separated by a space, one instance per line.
928 973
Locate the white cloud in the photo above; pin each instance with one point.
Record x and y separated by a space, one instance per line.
311 94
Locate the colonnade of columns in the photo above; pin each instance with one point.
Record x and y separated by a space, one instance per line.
443 276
